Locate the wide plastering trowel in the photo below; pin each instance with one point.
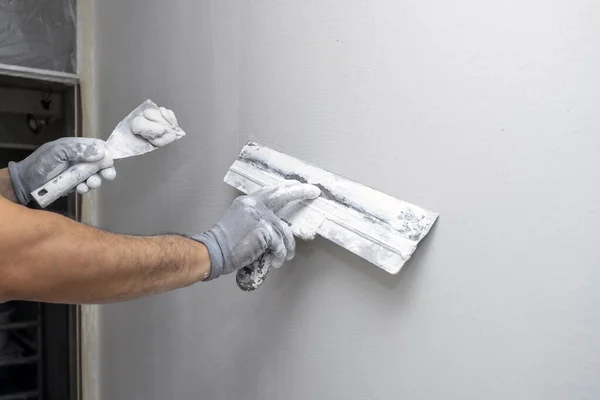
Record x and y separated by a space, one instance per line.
122 143
379 228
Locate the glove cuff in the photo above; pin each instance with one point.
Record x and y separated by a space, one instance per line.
217 259
22 195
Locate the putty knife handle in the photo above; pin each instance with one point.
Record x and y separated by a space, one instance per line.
253 276
64 183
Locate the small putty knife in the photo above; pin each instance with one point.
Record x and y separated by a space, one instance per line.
122 143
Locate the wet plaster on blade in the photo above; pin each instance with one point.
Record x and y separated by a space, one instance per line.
414 222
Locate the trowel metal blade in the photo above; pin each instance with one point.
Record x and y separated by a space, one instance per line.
373 225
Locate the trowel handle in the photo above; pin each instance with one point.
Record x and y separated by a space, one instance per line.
253 276
64 183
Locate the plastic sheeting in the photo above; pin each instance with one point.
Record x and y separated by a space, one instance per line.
39 34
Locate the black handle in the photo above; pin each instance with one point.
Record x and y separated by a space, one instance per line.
253 276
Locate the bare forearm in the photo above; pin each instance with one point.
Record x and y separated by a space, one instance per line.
6 187
55 259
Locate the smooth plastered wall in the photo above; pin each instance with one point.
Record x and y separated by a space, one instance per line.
485 112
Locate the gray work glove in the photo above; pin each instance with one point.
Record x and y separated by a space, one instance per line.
52 159
250 229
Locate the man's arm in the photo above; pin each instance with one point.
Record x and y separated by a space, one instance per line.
50 258
6 187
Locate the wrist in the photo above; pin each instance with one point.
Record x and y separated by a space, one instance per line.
200 265
215 255
204 262
6 187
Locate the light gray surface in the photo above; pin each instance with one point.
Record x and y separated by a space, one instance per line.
485 112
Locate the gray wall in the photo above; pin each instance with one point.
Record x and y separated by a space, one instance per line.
486 112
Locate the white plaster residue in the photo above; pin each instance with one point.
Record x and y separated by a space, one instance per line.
158 126
414 222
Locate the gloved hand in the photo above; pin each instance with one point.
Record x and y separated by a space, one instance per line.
250 229
52 159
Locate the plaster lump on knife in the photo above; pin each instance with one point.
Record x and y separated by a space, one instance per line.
158 126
